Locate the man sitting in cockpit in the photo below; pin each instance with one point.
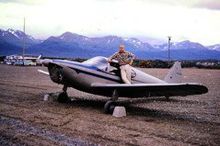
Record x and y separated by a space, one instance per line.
125 60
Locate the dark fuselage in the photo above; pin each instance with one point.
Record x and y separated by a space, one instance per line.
82 75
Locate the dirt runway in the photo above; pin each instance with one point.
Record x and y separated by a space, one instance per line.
26 119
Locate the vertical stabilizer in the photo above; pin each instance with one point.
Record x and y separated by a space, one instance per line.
175 74
39 57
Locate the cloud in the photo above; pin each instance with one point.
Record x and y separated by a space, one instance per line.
191 19
25 2
8 1
208 4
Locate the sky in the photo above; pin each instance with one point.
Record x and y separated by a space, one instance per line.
194 20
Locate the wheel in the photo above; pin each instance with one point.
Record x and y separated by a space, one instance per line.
109 107
167 98
63 97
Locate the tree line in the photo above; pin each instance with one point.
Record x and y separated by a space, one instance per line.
209 64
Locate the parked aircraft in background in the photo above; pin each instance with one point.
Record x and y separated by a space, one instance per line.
28 60
99 77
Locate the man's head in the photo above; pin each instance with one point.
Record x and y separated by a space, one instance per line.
121 48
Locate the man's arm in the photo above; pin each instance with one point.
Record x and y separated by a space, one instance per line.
112 57
132 58
131 62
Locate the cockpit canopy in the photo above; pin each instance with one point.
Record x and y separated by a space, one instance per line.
98 62
101 63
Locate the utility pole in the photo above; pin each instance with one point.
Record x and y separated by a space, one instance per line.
23 53
169 40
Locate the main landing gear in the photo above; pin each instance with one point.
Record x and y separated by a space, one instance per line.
63 96
167 98
109 107
111 104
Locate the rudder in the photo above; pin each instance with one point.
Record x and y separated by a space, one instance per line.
175 74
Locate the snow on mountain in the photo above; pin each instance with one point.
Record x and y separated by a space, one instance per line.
134 41
16 38
184 45
69 37
20 34
76 45
188 45
214 47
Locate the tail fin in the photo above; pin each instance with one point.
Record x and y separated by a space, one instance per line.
39 57
175 74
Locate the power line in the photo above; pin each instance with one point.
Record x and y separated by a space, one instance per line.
169 40
23 53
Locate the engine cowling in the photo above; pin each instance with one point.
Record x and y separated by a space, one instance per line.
56 73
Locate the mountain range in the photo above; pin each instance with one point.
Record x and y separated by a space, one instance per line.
73 45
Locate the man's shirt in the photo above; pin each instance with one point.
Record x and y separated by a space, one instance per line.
123 58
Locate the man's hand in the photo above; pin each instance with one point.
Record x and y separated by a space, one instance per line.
131 62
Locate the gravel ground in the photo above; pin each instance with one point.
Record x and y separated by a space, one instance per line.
26 119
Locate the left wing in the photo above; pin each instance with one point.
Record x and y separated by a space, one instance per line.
147 90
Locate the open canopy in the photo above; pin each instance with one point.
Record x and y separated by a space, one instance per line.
98 62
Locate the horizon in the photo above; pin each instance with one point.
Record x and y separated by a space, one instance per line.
196 20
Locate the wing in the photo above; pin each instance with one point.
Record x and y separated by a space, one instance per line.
147 90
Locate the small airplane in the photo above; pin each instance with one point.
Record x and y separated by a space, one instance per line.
98 76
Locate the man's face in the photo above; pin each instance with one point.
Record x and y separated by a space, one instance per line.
121 49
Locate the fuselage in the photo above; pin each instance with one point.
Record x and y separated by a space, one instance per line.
96 70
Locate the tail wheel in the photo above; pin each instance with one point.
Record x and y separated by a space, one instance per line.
167 98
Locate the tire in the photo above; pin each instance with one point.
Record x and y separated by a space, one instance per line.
167 98
109 107
63 97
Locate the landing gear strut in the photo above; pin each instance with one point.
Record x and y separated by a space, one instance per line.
63 97
110 105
